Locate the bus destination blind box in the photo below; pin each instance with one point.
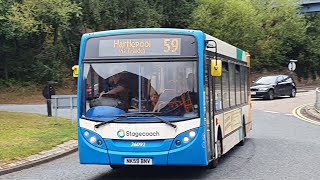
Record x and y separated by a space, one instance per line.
141 45
137 47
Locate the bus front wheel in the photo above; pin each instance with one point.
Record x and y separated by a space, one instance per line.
214 163
243 141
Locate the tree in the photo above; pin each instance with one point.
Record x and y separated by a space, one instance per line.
5 47
309 57
101 15
233 21
271 30
174 13
34 27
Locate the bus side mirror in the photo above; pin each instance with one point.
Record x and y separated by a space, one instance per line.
75 70
216 68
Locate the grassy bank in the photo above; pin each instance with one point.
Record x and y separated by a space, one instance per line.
12 92
24 134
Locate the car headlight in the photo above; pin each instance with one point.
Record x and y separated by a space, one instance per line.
263 89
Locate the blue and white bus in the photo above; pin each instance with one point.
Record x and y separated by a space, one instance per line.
183 98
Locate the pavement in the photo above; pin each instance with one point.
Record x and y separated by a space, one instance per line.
305 112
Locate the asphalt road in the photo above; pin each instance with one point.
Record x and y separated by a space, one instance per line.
280 146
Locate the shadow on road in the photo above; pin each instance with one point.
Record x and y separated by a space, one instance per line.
156 173
173 172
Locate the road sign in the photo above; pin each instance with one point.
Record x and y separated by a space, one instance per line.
292 66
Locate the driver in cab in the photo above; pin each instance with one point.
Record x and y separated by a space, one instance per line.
116 86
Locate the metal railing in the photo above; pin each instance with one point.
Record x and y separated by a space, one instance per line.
64 102
317 104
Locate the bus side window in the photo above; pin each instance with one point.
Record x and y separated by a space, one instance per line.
225 85
218 95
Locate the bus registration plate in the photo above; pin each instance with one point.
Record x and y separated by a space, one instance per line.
138 161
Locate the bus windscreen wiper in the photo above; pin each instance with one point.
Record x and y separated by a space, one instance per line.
165 121
149 114
102 122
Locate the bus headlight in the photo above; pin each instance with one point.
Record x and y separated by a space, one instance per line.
186 139
93 139
86 134
192 134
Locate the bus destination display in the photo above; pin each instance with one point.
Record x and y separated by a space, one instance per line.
140 47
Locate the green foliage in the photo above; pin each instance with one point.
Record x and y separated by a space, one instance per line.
283 32
39 39
33 30
310 55
175 13
272 30
117 14
233 21
39 16
50 65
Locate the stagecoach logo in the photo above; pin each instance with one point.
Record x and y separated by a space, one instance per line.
120 133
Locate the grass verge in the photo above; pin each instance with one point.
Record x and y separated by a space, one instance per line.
16 93
24 134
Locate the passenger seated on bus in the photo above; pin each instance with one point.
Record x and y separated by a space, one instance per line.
152 102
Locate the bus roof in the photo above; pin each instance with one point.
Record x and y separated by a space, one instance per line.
223 47
143 30
227 49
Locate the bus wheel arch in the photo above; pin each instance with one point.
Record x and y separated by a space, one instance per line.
214 162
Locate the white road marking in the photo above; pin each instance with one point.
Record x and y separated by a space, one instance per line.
272 112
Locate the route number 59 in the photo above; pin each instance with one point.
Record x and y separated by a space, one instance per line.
170 45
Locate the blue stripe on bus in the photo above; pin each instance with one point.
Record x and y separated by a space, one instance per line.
89 154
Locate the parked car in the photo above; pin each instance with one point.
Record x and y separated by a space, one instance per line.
269 87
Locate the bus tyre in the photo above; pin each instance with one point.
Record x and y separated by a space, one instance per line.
214 163
243 141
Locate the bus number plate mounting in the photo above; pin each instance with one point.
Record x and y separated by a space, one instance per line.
137 161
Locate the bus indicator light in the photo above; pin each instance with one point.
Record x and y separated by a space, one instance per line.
178 142
99 142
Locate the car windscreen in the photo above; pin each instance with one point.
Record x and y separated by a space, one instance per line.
266 80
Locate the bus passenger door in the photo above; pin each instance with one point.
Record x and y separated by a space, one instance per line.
209 99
